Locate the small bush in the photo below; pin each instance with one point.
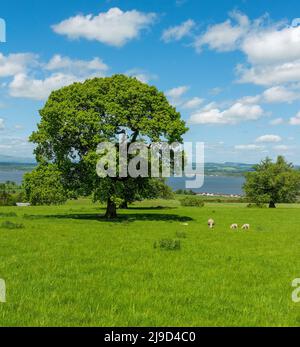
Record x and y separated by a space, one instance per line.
181 234
8 214
192 201
168 244
259 204
11 225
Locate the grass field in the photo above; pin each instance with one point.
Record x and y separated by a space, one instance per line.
68 267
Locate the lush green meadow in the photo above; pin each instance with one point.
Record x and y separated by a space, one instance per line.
69 267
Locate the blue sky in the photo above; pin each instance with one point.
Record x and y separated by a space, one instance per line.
232 68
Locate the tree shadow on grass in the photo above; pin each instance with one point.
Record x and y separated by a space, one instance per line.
148 208
122 217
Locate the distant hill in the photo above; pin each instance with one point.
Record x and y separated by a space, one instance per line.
16 160
227 168
211 169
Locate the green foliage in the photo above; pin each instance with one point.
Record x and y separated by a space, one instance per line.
10 193
258 204
11 225
75 119
44 186
168 245
272 182
185 192
192 201
8 214
181 234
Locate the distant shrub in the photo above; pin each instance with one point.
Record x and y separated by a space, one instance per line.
184 192
8 214
32 216
259 204
191 201
181 234
11 225
168 244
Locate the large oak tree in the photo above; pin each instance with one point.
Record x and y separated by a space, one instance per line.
76 118
272 182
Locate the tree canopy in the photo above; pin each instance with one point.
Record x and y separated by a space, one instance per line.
43 186
76 118
273 182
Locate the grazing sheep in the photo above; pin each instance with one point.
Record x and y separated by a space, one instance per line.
234 226
246 226
211 223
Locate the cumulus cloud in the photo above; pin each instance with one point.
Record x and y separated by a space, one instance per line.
114 27
193 103
16 63
81 67
236 113
177 92
277 121
280 94
23 86
176 33
249 147
58 72
268 139
1 124
276 44
272 49
266 75
295 120
16 146
225 36
282 148
141 75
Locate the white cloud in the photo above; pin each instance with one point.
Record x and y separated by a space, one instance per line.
23 86
224 36
279 94
177 92
16 146
58 72
215 91
113 27
236 113
268 139
1 124
81 67
193 103
250 147
282 148
272 49
176 33
277 121
295 120
15 63
250 99
141 75
270 74
270 45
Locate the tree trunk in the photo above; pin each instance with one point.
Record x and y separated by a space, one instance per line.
111 210
124 205
272 204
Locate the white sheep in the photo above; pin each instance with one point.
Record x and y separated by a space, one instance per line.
211 223
234 226
246 227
